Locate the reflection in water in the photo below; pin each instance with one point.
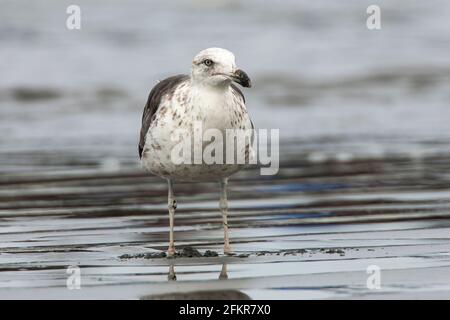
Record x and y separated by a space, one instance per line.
223 273
199 295
171 276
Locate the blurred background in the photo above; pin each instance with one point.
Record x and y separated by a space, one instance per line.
364 156
318 72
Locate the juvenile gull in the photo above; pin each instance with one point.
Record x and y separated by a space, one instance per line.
207 96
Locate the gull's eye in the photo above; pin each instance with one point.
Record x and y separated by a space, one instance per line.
208 62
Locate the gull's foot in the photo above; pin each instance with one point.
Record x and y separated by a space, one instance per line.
171 251
227 250
172 276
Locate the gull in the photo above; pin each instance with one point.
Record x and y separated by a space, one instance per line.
207 96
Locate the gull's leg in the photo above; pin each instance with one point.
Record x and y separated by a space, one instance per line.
172 203
172 276
224 210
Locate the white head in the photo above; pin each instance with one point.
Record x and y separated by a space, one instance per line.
217 67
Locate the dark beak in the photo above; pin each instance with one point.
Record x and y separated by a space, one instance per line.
242 78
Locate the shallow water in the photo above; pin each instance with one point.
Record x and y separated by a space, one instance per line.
309 232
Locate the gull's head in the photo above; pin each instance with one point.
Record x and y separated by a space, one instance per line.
217 67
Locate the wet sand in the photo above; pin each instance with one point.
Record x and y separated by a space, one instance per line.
365 158
309 232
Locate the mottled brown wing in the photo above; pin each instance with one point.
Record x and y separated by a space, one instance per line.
238 91
154 100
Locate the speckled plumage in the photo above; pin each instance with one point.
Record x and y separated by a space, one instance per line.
181 104
206 99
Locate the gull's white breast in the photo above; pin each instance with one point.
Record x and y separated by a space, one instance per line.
186 108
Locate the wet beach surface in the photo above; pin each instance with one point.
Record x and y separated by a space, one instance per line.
309 232
364 174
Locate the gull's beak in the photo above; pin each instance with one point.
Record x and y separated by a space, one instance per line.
242 78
